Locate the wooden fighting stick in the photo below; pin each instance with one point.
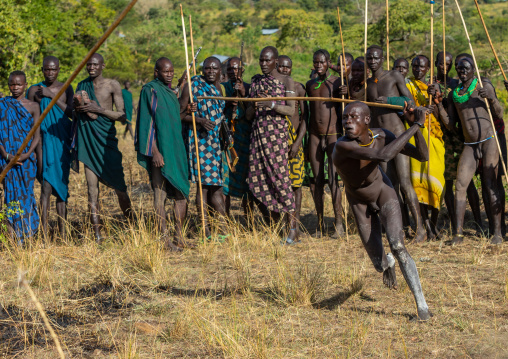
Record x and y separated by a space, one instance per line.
198 163
192 45
365 51
343 49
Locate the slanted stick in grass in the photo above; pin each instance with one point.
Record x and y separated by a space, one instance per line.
198 164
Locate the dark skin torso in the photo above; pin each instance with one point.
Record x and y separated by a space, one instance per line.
390 84
324 115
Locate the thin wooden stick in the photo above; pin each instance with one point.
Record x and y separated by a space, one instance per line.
431 81
387 38
67 83
481 85
22 280
365 51
444 48
329 99
343 49
192 45
490 41
342 80
196 144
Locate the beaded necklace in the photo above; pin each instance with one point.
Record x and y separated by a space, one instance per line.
467 95
321 82
373 137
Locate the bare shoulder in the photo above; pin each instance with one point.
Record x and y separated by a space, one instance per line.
288 81
114 84
334 80
300 89
31 106
309 83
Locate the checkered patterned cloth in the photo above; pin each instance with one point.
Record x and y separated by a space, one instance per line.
210 154
268 177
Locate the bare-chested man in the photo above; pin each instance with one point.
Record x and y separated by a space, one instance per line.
373 200
297 130
357 82
53 152
17 117
324 129
453 140
96 141
390 87
268 177
129 107
466 103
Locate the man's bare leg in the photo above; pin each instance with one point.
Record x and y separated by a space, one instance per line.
402 166
335 190
490 182
61 211
205 206
298 205
392 221
474 202
465 172
46 190
93 202
317 163
216 200
125 204
159 200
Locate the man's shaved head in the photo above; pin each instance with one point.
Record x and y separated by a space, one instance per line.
49 59
161 61
235 59
211 58
362 107
375 47
98 56
271 49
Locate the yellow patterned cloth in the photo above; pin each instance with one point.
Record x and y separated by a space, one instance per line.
428 185
296 165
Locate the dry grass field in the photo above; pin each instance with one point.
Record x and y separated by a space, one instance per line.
246 298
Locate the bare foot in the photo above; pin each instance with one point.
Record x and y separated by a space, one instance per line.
422 316
457 239
496 239
317 234
389 276
339 232
169 246
421 235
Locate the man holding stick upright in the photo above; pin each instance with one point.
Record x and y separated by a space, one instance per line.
210 114
324 129
466 104
95 140
390 87
268 179
161 150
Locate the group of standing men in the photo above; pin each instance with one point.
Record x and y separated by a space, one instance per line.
273 140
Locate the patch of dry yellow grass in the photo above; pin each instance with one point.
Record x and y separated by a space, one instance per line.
246 298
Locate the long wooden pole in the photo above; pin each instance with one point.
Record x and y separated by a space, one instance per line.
490 41
196 144
343 49
481 85
67 83
365 51
387 38
192 45
329 99
429 127
444 48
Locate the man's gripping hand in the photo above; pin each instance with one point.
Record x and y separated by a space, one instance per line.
415 115
205 123
435 92
486 93
90 107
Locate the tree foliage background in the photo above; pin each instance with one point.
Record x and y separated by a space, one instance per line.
32 29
